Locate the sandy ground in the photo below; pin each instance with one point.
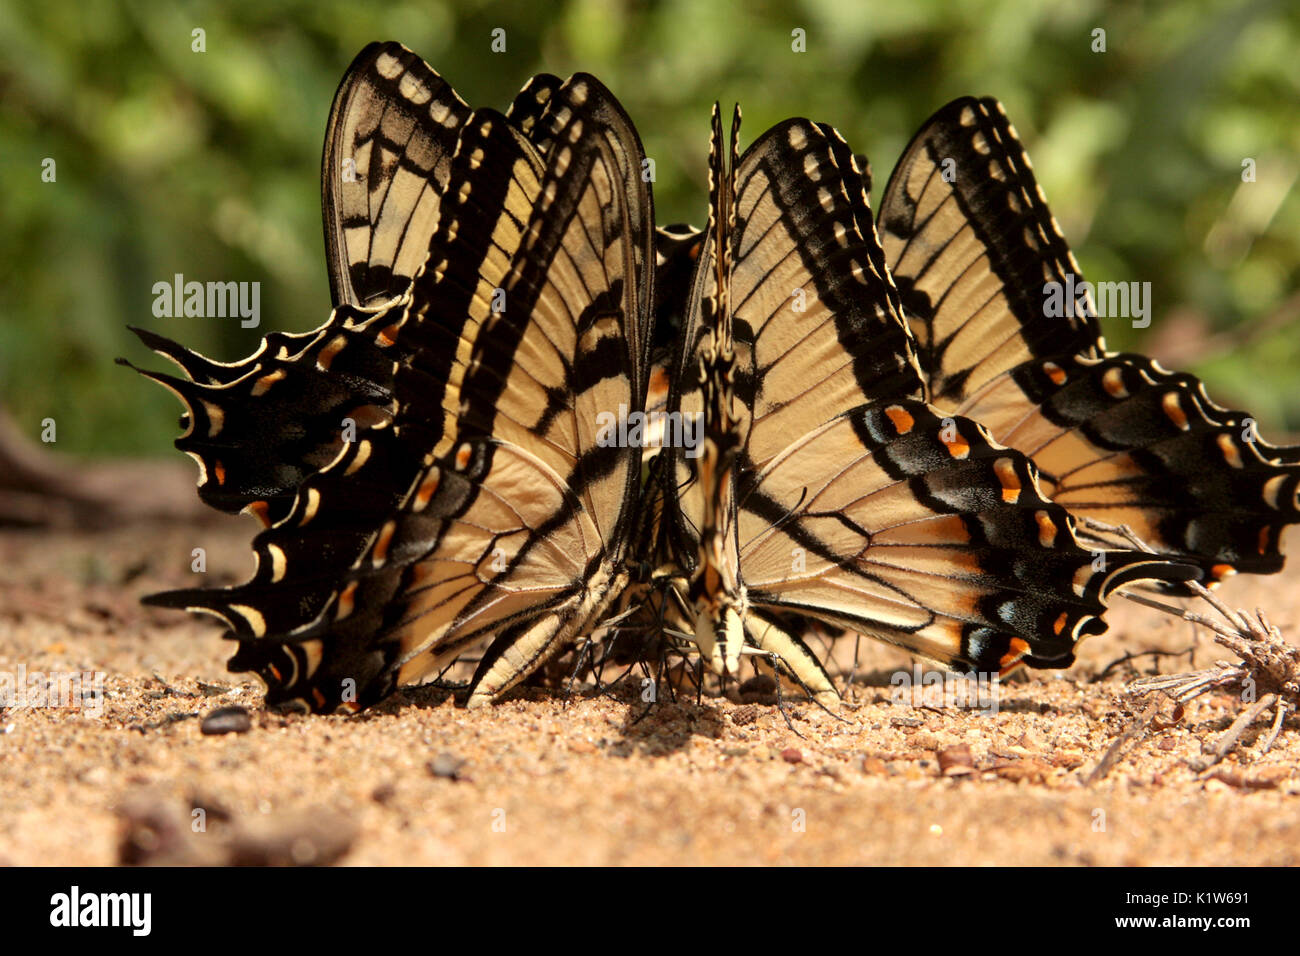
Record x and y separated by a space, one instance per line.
539 779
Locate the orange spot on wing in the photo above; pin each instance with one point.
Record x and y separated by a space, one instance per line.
1059 624
387 336
1019 648
335 346
380 553
1046 529
1054 372
958 448
261 511
1173 410
275 672
318 697
1228 448
1264 534
1113 383
266 381
901 418
657 390
1006 472
346 601
1221 571
219 470
427 489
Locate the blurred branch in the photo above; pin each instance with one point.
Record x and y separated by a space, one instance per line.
39 491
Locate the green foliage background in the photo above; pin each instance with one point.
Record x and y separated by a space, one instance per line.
207 164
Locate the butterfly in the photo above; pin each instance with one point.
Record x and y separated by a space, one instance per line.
977 257
428 463
976 254
823 485
433 465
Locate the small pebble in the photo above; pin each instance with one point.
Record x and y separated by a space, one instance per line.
227 720
792 755
955 761
446 765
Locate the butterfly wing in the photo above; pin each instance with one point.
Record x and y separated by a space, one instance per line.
523 333
973 246
855 502
388 148
260 426
555 498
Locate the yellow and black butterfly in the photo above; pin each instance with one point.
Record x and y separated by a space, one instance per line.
978 259
434 465
977 255
823 486
429 462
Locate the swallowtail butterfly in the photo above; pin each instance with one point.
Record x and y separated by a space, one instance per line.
826 487
430 465
493 276
976 255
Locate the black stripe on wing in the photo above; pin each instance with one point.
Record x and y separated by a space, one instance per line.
812 303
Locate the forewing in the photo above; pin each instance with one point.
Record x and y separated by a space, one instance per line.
388 148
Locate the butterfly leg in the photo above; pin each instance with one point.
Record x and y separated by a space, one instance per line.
775 663
583 651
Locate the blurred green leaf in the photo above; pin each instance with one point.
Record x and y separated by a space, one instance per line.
207 164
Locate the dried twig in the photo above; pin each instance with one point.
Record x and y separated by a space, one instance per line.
1268 666
1133 734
